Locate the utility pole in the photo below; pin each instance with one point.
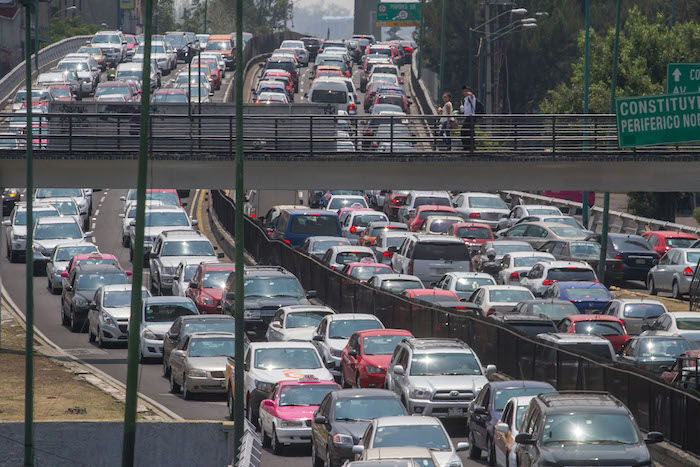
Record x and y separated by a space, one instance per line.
132 371
119 14
584 200
36 35
421 35
486 50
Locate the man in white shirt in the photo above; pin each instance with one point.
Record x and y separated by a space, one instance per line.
468 109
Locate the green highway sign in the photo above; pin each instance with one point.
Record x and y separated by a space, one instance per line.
665 119
398 14
683 78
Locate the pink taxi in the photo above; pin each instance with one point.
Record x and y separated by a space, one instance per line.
286 417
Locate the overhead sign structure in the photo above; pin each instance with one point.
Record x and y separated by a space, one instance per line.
398 14
683 78
652 120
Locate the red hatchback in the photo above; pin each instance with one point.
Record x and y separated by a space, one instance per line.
92 258
415 223
600 325
207 286
663 240
472 233
367 355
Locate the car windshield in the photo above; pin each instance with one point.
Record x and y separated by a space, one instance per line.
362 220
442 225
543 211
424 436
66 253
189 271
97 261
347 202
273 287
399 285
353 256
587 293
364 273
176 40
58 193
501 396
566 232
663 347
57 230
630 243
322 246
209 325
343 328
155 49
470 284
166 197
367 408
93 281
21 216
304 394
480 202
169 312
187 248
119 298
585 250
215 279
61 92
213 347
601 328
680 242
130 74
688 324
571 274
643 310
105 90
529 261
509 295
75 66
593 428
106 39
436 364
276 358
570 221
304 319
553 311
162 219
66 208
449 251
480 233
505 249
381 345
169 97
314 224
218 45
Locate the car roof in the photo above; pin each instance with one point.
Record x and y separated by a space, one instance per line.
521 317
568 338
437 238
580 284
469 275
207 317
362 393
351 248
566 264
306 308
165 299
503 287
519 383
218 266
56 220
638 300
577 318
403 452
508 242
210 334
427 292
118 287
403 420
683 314
672 234
529 254
404 277
302 211
351 316
93 268
590 400
372 265
281 345
384 332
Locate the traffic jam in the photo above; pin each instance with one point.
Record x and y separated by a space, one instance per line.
341 387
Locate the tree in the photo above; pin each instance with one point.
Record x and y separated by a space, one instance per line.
259 16
164 17
62 28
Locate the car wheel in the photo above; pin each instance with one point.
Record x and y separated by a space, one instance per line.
474 452
265 439
48 284
125 241
187 395
277 447
677 291
131 255
229 403
343 384
64 319
491 454
315 461
91 336
73 322
166 368
651 288
174 387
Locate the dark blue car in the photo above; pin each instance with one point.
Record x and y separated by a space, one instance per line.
485 411
589 297
296 225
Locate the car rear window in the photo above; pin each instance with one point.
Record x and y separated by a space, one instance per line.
634 243
599 350
441 251
505 249
287 66
601 328
643 310
431 201
486 202
352 256
442 225
688 324
680 242
554 311
585 250
470 284
570 274
329 96
532 329
529 261
364 219
318 224
479 233
592 293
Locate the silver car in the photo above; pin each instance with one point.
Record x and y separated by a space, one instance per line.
198 363
16 227
110 310
183 275
62 255
539 233
674 272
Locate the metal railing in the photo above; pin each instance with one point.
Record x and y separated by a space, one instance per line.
250 453
278 132
655 404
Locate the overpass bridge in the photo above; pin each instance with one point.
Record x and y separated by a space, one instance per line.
286 150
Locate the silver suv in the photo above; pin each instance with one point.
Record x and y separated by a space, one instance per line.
436 376
170 248
112 43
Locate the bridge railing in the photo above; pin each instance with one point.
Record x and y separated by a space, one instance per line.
278 133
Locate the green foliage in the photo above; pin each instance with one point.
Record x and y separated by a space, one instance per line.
164 17
259 16
62 28
696 214
654 205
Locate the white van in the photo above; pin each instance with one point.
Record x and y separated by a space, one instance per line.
430 257
327 91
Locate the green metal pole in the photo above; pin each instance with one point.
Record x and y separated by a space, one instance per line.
586 59
420 38
443 38
470 73
616 52
604 238
29 252
239 302
36 35
132 372
206 5
673 13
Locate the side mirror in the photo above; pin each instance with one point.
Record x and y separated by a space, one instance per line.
93 306
64 274
122 198
392 249
275 324
320 420
330 365
121 216
132 223
195 222
311 294
479 410
352 352
358 449
7 223
318 338
306 95
183 203
646 327
463 446
88 234
490 369
194 285
220 255
179 353
524 438
398 370
269 403
128 273
654 437
69 288
502 428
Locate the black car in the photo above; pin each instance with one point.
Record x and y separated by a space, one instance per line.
82 283
574 427
552 308
266 289
342 418
312 44
530 325
652 352
10 196
182 44
636 254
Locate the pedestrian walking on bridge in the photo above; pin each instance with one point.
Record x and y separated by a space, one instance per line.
468 109
447 121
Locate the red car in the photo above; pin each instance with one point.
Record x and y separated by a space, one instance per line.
393 98
602 325
393 202
282 76
92 258
663 240
207 286
61 93
367 355
472 233
364 271
415 223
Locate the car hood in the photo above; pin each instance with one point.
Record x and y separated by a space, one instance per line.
304 412
337 343
255 303
119 312
153 232
85 294
60 265
217 363
19 230
472 383
174 261
157 328
605 454
300 334
282 374
378 361
51 244
445 458
354 429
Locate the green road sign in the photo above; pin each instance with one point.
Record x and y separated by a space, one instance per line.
398 14
666 119
683 78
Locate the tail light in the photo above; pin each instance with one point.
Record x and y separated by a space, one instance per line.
410 267
622 322
475 215
269 231
688 272
408 49
548 282
287 241
514 276
352 108
347 73
618 257
490 312
387 254
353 229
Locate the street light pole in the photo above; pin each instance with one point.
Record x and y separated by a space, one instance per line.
36 35
584 200
420 38
206 5
443 38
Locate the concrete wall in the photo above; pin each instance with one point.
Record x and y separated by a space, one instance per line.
171 444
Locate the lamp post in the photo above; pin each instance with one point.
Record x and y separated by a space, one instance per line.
443 39
586 59
515 28
420 38
514 11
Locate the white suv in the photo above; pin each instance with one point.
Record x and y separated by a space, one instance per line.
158 220
16 227
518 264
544 274
431 256
112 43
484 208
420 198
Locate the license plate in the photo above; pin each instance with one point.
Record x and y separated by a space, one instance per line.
455 412
640 261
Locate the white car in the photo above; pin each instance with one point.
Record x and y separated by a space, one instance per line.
685 324
464 283
427 432
80 196
418 198
49 232
16 227
158 220
157 317
298 47
159 53
333 333
517 264
395 283
62 255
346 201
495 298
296 323
110 310
485 208
267 363
507 429
129 215
356 222
544 274
524 210
337 256
183 275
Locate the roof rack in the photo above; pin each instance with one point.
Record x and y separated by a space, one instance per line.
182 231
433 342
590 398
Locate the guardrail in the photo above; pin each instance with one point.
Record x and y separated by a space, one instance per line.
250 451
47 57
655 404
278 132
619 222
